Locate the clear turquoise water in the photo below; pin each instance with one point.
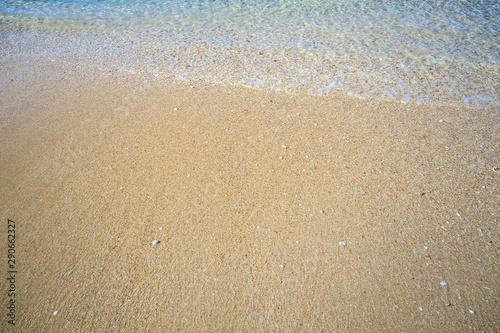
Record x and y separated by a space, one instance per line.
429 51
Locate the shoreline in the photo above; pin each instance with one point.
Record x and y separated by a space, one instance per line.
472 85
251 195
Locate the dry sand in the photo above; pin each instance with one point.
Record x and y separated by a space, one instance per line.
250 194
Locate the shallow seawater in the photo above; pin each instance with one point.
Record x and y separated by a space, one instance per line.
424 51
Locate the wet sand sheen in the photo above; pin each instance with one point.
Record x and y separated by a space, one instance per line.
250 194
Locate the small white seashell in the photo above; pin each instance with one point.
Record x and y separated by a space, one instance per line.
444 283
55 312
156 242
343 243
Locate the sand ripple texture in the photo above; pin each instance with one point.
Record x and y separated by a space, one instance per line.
432 51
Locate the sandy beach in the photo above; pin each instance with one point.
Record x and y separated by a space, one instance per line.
271 212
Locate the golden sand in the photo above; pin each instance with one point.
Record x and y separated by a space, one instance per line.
250 195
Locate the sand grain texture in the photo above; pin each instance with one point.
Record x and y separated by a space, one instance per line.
249 194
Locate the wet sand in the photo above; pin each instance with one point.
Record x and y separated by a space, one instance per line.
273 212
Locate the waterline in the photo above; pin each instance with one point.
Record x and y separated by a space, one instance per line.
437 52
